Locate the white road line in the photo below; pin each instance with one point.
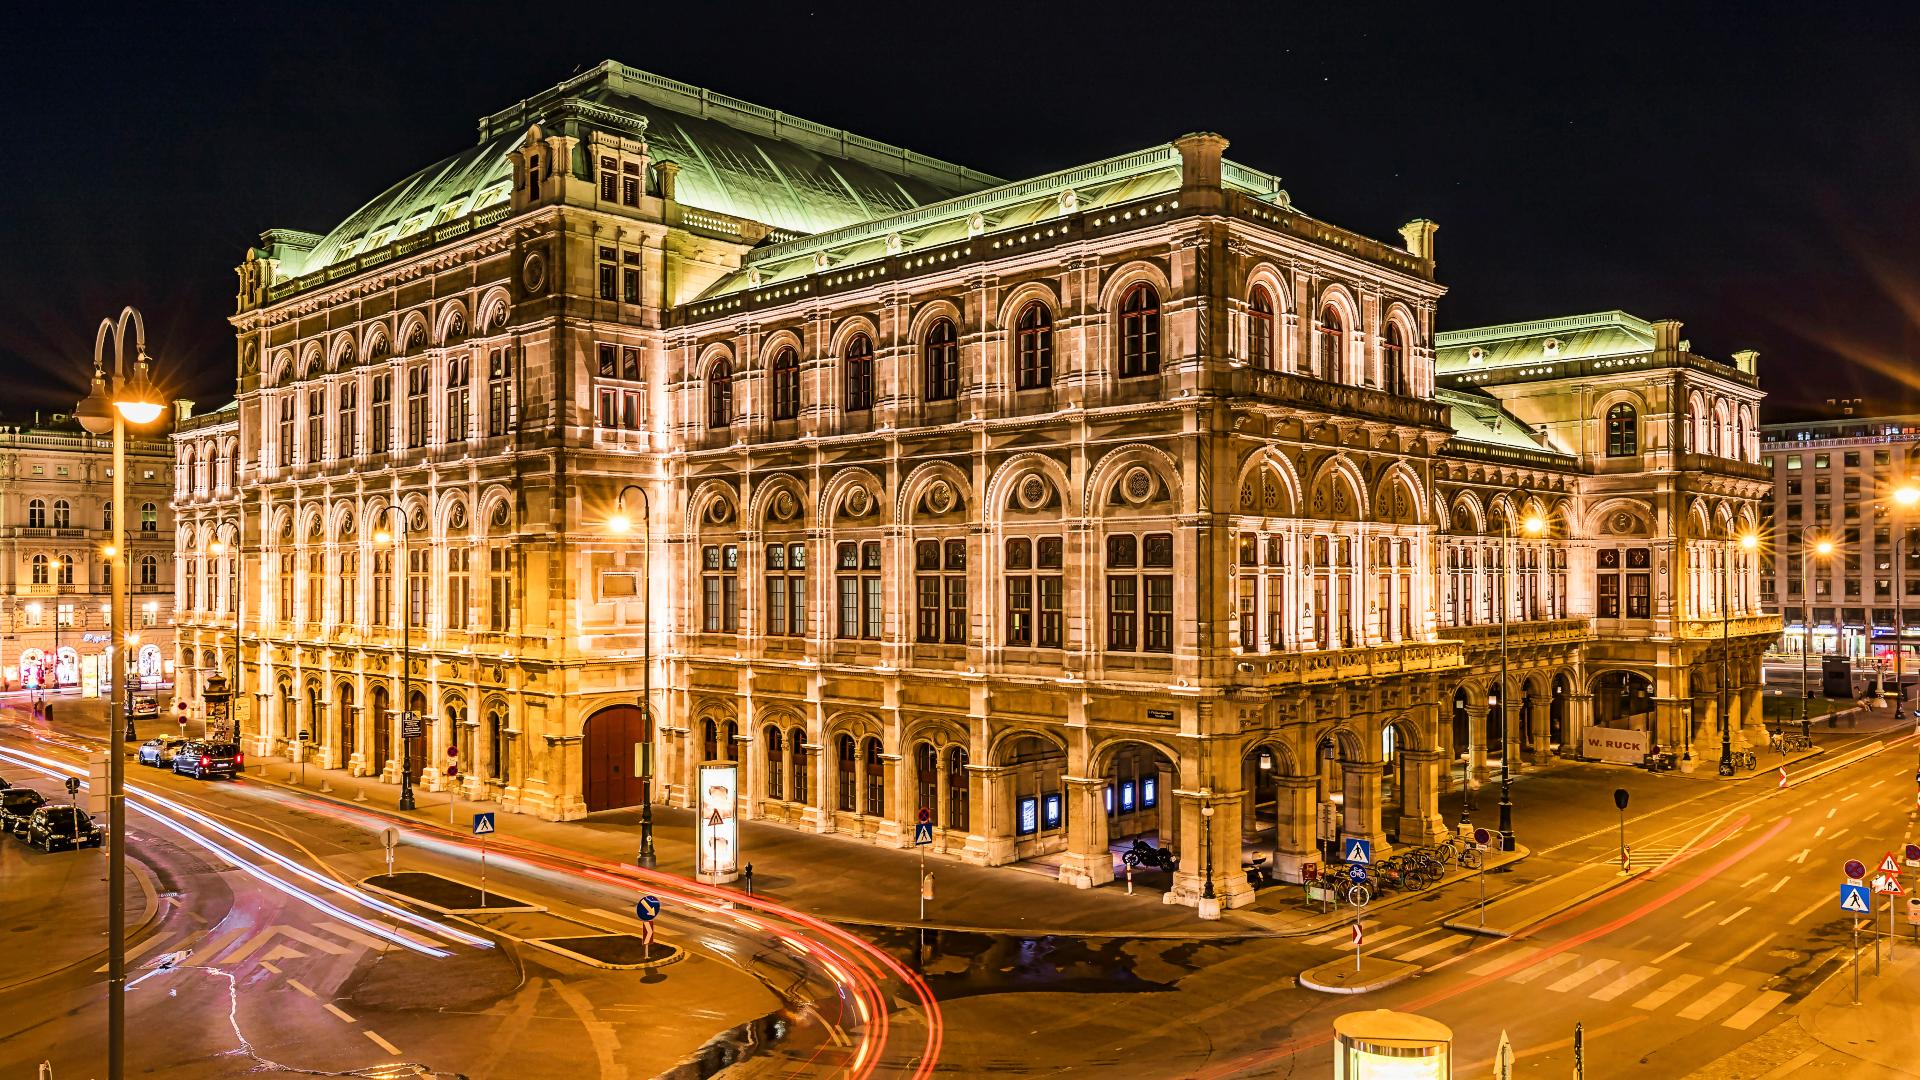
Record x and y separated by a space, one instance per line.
1666 993
1755 1009
1875 784
1598 967
356 936
1500 962
1669 954
1558 960
382 1043
1433 947
1802 857
1746 952
138 950
302 987
1832 812
1735 915
1849 796
1345 933
1429 932
1717 997
335 1010
1374 937
1625 982
1811 908
1838 835
1748 884
1819 832
214 947
1781 884
1699 909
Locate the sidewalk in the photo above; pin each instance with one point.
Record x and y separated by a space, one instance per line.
826 876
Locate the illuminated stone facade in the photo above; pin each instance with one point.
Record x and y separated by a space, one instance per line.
1123 500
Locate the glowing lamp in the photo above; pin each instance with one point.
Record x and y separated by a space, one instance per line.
1906 495
1749 541
619 523
383 537
1823 548
1534 525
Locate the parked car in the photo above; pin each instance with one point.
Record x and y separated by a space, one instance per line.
160 752
54 827
145 706
16 806
201 758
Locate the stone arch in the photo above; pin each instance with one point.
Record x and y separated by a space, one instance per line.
834 492
1125 276
1352 744
452 504
930 310
701 502
493 499
1469 516
312 361
782 338
1000 485
374 341
843 333
1103 751
451 322
340 351
1262 468
413 331
1107 471
1019 296
760 507
924 475
280 368
494 306
949 732
1324 500
1399 475
1618 516
709 354
1003 738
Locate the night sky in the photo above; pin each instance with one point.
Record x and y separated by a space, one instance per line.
1753 170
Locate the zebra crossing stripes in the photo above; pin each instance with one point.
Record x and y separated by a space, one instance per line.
1586 972
1551 963
1625 982
1434 946
1718 996
1666 993
1755 1009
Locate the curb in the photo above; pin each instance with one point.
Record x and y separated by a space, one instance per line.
148 917
1308 982
1342 914
1454 923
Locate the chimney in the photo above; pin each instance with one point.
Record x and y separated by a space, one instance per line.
667 170
182 411
1418 234
1747 360
1200 167
1666 336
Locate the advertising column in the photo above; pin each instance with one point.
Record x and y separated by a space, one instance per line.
718 829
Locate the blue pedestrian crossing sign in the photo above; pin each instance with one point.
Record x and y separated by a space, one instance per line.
1358 851
483 823
647 907
922 834
1856 898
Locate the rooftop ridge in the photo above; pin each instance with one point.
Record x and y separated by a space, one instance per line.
1561 325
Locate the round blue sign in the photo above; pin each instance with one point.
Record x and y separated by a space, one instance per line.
647 908
1357 874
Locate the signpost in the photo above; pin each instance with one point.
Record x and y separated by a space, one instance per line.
453 772
1620 803
389 839
483 828
1887 883
1856 900
647 908
1481 838
1358 938
922 836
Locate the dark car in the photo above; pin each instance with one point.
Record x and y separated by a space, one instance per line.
200 759
54 827
16 806
160 752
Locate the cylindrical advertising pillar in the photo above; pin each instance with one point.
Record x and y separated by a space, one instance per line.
1387 1045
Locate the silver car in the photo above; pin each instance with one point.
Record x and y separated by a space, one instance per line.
159 752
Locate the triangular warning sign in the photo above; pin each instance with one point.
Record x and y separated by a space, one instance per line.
715 819
1855 900
1888 885
1359 852
1889 865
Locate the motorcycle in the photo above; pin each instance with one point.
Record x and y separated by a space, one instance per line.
1145 856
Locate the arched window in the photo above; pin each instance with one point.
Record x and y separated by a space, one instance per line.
710 739
40 570
776 770
847 798
797 739
943 361
858 368
497 744
876 776
1140 332
106 515
1333 344
1260 327
62 514
786 384
1393 359
1623 431
36 513
720 395
66 569
1033 337
149 570
149 517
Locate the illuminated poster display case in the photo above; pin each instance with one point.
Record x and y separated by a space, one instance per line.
718 826
1387 1045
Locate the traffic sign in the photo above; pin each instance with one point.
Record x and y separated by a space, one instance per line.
1887 885
922 834
1855 898
1913 854
1359 938
1855 869
1357 874
453 753
1359 851
1889 865
924 817
389 838
1481 838
715 819
1620 798
483 823
73 786
647 907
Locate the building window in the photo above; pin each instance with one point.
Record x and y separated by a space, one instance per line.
720 589
619 409
943 361
1035 591
380 438
37 514
1393 360
383 588
349 588
149 517
786 384
419 565
286 429
846 754
609 271
776 765
1333 344
499 392
609 179
65 576
1139 598
876 775
786 573
417 406
858 368
459 587
499 586
1260 582
316 424
630 184
858 588
1033 337
62 514
1140 332
63 615
106 515
720 395
40 565
347 442
630 277
286 588
940 585
1623 431
459 397
1260 327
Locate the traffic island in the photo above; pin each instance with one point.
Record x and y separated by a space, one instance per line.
444 895
1343 976
622 951
1507 915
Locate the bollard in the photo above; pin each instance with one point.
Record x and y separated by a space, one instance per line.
749 879
1129 880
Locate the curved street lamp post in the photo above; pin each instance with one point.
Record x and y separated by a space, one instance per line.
402 573
621 524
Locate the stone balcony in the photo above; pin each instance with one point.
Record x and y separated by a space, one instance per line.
1739 626
1274 671
1522 634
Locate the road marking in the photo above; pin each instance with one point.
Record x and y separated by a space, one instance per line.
1557 960
1781 884
1838 835
271 966
1819 832
1598 967
1496 964
1755 1009
1718 997
221 942
1746 952
1832 812
302 987
1735 915
1625 982
1405 941
1811 908
1666 993
1699 909
1849 796
1344 933
1434 946
1669 954
1748 884
382 1043
355 936
144 947
335 1010
1875 784
1802 857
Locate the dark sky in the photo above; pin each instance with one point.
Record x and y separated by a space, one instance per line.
1753 170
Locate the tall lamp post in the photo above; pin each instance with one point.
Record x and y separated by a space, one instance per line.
1534 525
129 400
216 549
1747 543
398 536
621 524
1906 495
1822 547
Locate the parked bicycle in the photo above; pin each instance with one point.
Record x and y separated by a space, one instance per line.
1744 759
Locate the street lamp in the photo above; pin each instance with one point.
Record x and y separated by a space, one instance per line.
128 401
1906 495
1534 525
1822 547
1748 542
1206 843
620 524
399 538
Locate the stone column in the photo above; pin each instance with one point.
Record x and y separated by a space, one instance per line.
1362 812
1754 707
942 797
1420 820
1087 861
1477 737
1220 837
991 794
1293 841
889 830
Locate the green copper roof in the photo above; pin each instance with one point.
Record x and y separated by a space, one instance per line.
735 158
1477 417
1606 333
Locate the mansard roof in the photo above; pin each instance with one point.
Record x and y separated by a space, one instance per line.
1478 417
1574 337
735 158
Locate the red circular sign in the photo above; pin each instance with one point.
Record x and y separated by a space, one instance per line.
453 753
1856 869
925 816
